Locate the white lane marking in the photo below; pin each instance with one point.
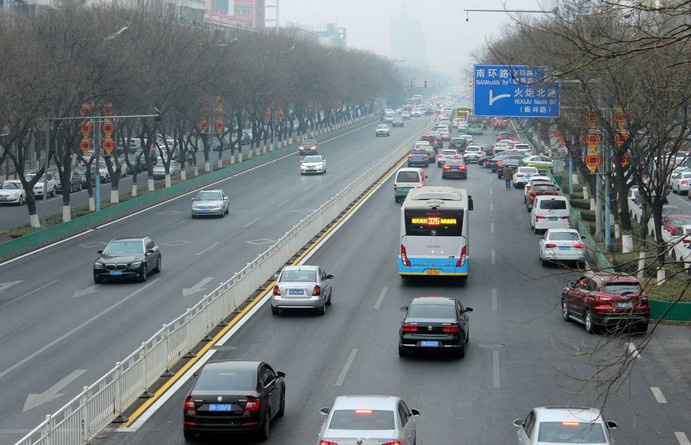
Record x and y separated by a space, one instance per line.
494 300
634 352
251 222
86 291
197 287
491 207
77 328
28 293
34 400
179 223
260 241
347 366
180 196
681 437
284 202
209 248
491 191
7 285
381 297
491 227
658 394
493 255
308 187
495 369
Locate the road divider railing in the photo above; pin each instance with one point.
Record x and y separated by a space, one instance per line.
105 401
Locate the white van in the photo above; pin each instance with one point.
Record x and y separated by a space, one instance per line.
407 179
550 212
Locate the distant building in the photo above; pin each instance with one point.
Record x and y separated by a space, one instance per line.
250 14
407 41
330 34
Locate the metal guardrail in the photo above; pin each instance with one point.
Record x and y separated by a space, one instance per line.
105 400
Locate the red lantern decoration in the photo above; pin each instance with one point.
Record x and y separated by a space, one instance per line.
592 160
592 138
620 138
85 145
219 126
108 145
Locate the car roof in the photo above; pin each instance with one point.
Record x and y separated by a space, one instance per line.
409 169
442 301
565 413
239 365
388 403
129 238
301 267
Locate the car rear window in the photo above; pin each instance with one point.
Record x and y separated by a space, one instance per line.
299 276
553 204
564 236
408 177
571 432
544 188
432 311
215 380
622 288
362 419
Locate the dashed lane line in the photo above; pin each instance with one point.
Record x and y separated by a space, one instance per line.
658 394
681 437
346 368
381 297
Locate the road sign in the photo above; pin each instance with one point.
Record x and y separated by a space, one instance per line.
514 91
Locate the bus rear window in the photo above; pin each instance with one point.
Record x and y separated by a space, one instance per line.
433 222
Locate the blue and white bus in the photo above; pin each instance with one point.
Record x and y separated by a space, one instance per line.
434 232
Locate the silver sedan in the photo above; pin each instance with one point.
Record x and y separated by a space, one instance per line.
369 420
210 203
302 287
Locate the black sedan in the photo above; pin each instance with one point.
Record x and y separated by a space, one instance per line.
434 324
236 397
127 258
454 168
75 183
510 162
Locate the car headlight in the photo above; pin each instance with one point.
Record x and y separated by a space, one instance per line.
136 265
98 265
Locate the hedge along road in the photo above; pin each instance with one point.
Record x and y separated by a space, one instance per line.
55 323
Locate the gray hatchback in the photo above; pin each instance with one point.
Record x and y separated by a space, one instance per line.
302 287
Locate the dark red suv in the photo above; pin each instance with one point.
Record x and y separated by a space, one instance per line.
538 189
606 300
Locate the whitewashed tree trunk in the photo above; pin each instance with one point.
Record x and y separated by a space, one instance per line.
183 175
167 180
134 189
114 196
196 171
207 166
35 222
66 213
151 185
92 204
240 157
220 163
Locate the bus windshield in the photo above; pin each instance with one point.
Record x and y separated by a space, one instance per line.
433 222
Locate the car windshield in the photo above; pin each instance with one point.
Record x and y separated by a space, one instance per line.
11 186
124 248
362 419
208 196
449 152
432 311
563 236
310 142
408 177
622 288
299 276
219 380
312 159
571 432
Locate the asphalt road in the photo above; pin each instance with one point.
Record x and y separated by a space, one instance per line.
521 353
60 332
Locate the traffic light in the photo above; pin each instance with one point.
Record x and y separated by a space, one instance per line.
411 84
425 84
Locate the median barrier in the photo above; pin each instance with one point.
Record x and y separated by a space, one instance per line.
33 240
105 401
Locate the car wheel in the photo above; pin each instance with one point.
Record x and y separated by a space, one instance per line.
157 269
227 210
282 409
21 200
266 427
275 310
98 280
543 262
189 435
641 328
143 274
322 310
589 325
565 314
328 302
402 352
460 352
223 214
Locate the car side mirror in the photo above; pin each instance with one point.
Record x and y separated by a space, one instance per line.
426 177
275 277
414 412
470 203
404 308
195 375
100 252
612 425
329 276
518 423
582 236
324 411
281 375
468 309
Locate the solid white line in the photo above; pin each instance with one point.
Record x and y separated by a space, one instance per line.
345 369
491 227
658 394
178 224
494 300
494 256
634 351
77 328
681 437
209 248
308 187
495 369
28 293
491 207
381 297
282 203
251 222
178 197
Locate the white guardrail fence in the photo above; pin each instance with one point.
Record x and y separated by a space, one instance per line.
104 401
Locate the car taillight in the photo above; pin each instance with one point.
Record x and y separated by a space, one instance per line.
540 217
410 156
684 182
317 291
252 404
453 329
579 246
425 157
461 261
392 443
550 245
277 291
189 404
404 256
408 327
462 167
498 163
447 167
326 442
518 175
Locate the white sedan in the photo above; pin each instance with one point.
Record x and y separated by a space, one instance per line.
12 192
50 179
382 130
523 175
562 245
681 182
313 164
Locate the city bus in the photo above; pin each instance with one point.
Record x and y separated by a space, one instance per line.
474 125
434 232
463 111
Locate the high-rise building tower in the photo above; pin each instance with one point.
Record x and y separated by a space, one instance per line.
407 41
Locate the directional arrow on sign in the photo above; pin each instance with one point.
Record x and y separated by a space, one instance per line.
34 400
89 290
496 98
9 284
197 287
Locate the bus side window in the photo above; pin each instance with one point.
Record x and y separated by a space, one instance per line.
470 202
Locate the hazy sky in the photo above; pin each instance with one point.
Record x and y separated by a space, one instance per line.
450 39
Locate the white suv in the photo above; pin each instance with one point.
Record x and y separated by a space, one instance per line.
472 153
564 425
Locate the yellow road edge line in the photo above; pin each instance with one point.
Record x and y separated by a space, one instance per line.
191 362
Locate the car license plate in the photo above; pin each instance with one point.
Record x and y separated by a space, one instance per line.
432 271
296 292
219 407
206 211
3 198
564 247
115 272
429 344
553 218
625 304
